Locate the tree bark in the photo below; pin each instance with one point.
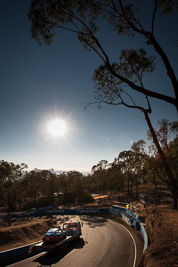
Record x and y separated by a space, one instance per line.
170 71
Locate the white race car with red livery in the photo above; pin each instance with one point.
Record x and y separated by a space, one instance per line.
54 235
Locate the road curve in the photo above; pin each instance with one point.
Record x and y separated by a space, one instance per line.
103 243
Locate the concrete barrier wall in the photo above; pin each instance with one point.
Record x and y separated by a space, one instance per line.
17 252
145 236
131 219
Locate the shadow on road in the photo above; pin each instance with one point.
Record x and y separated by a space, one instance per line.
54 257
93 221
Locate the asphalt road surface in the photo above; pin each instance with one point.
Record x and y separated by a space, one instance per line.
103 243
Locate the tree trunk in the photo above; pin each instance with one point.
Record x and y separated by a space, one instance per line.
137 188
174 186
128 191
170 71
9 218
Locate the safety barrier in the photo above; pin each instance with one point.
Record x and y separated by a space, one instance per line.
53 211
132 219
145 236
14 253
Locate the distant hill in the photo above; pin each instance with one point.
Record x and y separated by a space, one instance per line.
84 173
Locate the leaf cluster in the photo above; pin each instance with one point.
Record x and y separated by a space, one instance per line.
84 18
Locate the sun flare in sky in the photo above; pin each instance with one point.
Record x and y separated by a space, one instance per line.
57 127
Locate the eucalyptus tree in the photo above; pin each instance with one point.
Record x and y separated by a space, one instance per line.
11 182
62 182
111 91
11 177
139 159
75 188
125 159
167 133
77 185
155 172
50 184
81 17
116 176
100 173
173 148
33 184
92 184
116 82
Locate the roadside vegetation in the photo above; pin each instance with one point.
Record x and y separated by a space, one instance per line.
24 190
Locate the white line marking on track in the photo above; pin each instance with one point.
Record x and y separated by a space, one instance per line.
135 256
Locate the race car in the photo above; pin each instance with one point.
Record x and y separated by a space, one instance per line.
54 235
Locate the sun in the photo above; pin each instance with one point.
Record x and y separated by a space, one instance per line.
57 127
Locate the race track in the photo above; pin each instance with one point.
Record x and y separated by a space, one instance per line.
103 243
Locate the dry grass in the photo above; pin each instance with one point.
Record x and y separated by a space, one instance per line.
162 228
23 233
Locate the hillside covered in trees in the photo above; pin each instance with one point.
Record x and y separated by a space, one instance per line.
21 189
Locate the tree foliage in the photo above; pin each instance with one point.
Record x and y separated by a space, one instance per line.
83 19
38 188
11 177
168 138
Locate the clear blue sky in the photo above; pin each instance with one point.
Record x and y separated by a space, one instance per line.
38 84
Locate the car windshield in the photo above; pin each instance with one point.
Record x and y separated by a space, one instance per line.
70 225
53 230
